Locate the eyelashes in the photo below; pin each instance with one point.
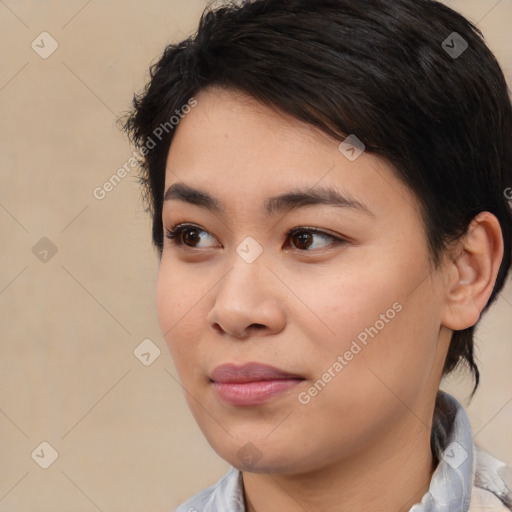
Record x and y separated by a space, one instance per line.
302 238
176 234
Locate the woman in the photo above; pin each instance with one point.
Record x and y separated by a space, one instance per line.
327 182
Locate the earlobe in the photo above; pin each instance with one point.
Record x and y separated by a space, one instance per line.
472 269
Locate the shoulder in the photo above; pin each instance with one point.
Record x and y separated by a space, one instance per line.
226 494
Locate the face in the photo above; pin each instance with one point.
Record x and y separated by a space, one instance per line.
295 291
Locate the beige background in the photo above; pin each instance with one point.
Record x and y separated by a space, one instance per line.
124 436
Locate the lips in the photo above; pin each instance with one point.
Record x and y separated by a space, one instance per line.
251 383
250 372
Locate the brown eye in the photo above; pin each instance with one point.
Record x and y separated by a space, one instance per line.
308 239
302 240
189 236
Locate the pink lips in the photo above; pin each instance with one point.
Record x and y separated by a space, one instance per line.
251 383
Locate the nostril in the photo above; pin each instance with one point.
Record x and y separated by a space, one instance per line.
217 328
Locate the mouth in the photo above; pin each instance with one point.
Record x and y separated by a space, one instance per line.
252 383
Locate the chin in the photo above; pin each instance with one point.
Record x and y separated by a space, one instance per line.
263 457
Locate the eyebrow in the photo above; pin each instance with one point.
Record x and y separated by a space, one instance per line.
293 199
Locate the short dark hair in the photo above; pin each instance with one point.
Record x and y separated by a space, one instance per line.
390 72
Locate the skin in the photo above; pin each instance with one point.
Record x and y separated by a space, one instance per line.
364 440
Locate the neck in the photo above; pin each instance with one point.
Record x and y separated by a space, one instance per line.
391 475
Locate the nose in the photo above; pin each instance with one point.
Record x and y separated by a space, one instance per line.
246 303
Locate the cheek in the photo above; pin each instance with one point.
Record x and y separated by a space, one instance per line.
379 315
345 304
384 354
180 308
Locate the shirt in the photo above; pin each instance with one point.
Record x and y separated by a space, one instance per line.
466 479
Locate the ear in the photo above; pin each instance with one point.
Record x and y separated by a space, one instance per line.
471 270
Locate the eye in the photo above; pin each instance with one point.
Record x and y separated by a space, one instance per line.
310 238
302 238
189 235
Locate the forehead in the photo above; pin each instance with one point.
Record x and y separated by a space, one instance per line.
242 154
